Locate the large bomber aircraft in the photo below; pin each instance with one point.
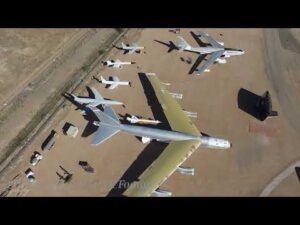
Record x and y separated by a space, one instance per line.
183 139
218 53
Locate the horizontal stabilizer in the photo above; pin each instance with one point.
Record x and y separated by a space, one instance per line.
103 133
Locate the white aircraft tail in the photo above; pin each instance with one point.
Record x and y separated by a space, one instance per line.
182 45
74 97
123 45
102 79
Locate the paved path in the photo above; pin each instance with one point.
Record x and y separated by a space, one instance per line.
278 179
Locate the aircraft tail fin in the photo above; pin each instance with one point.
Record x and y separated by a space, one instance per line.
102 79
74 97
103 133
123 45
182 45
109 124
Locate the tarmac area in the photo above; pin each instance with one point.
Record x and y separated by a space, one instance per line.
260 151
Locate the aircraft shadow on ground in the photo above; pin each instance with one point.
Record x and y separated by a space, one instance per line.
89 115
199 41
144 160
170 45
155 106
297 170
125 52
152 150
248 102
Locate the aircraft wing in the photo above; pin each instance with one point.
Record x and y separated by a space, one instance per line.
132 50
113 86
110 112
96 94
103 133
163 167
213 57
211 41
200 58
115 78
175 153
177 118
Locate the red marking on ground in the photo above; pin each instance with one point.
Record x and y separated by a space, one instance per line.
262 128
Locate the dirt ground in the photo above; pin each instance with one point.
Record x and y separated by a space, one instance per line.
23 51
56 64
244 170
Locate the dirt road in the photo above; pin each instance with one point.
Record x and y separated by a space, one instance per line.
46 82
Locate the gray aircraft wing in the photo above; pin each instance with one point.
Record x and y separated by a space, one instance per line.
197 62
103 133
113 86
96 94
213 57
132 50
105 130
110 112
211 41
115 78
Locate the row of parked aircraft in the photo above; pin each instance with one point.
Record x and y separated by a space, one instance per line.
215 50
183 137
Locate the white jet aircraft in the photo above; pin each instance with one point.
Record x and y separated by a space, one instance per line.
115 82
134 48
215 49
116 63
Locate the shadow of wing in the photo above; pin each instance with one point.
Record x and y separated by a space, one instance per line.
143 161
197 63
198 40
90 92
89 129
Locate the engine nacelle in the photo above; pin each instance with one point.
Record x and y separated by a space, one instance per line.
96 123
221 60
146 140
83 112
186 170
162 193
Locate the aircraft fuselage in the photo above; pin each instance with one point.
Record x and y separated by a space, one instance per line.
168 135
